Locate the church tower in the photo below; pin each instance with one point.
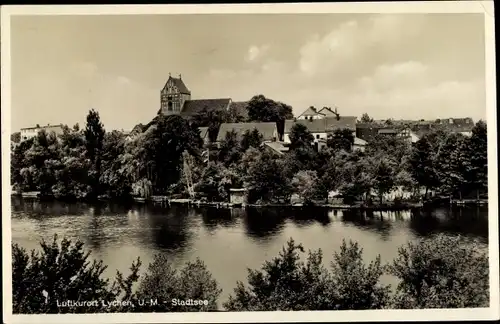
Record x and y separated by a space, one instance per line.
173 96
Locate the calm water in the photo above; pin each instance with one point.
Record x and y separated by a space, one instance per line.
230 240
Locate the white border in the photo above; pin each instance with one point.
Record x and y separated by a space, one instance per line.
485 7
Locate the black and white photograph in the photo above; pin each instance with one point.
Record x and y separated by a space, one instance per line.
248 163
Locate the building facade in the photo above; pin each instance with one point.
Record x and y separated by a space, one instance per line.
31 132
175 99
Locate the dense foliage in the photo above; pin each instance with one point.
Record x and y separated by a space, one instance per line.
435 272
169 158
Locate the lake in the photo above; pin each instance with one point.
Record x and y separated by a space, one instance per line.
231 240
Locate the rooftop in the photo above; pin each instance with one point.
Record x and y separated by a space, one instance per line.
267 129
324 125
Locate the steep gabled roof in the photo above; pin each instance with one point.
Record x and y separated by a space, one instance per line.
193 107
311 111
328 112
179 84
324 125
267 129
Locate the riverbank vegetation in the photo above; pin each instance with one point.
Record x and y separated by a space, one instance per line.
169 158
436 272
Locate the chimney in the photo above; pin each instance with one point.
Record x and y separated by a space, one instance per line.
169 75
180 76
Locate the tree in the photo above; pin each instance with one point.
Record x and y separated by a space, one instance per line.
266 180
452 164
62 272
304 184
422 165
15 137
340 139
384 178
94 137
441 272
285 283
477 171
230 150
356 286
164 284
264 109
212 119
215 182
114 182
163 145
251 139
300 136
366 119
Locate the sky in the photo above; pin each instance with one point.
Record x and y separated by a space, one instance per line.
402 66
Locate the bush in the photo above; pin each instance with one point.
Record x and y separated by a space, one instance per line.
42 281
163 283
442 272
354 285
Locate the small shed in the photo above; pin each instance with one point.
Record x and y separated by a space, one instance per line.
237 196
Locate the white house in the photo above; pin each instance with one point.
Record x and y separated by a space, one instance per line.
320 128
30 132
310 114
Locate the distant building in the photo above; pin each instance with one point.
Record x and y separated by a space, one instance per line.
320 128
175 99
359 144
312 113
31 132
268 130
278 148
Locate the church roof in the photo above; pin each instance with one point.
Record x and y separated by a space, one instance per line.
179 84
324 125
267 129
193 107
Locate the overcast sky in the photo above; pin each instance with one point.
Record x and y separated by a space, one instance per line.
409 66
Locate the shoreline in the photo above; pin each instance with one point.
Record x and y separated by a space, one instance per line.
163 200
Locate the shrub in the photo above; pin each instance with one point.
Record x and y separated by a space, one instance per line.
61 272
442 272
163 283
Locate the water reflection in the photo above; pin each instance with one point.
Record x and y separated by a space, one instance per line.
219 217
263 223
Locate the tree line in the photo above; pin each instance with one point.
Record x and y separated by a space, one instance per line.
89 163
437 272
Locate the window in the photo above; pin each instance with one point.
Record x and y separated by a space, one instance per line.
170 106
317 136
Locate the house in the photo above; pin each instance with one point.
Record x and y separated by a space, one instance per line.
31 132
310 114
138 129
320 128
278 148
268 130
175 99
204 134
359 144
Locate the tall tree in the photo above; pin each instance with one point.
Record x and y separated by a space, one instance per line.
251 139
230 151
366 119
422 165
94 137
340 139
264 109
384 178
164 144
477 173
